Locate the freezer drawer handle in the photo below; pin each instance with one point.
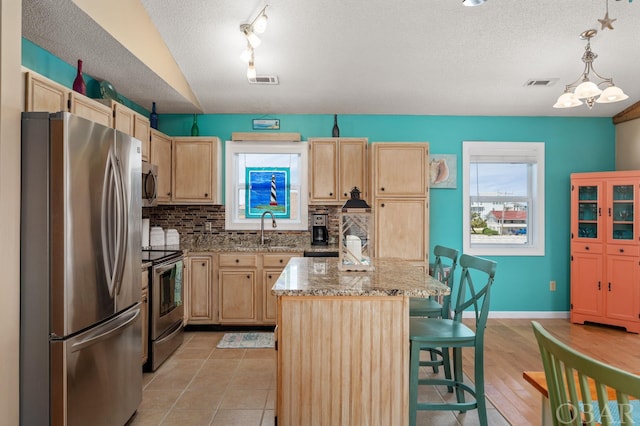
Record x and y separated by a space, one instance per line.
107 331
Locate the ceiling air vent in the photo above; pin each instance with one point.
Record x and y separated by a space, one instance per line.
541 82
264 79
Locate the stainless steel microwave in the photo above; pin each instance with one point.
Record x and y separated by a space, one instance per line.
149 184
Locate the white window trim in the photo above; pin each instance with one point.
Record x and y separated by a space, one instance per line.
232 148
505 149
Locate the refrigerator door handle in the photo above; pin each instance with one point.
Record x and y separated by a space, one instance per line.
107 331
109 249
122 215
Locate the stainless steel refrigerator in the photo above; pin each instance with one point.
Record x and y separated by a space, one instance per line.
80 326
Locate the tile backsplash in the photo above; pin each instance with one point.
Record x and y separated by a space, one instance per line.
191 221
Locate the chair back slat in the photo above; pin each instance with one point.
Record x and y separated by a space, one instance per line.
469 294
439 272
570 377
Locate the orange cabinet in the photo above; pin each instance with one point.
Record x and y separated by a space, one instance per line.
605 249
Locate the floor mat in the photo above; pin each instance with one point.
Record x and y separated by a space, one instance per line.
246 340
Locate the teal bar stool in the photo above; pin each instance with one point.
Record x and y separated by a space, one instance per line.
433 333
433 308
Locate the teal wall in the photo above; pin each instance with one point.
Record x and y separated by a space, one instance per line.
572 145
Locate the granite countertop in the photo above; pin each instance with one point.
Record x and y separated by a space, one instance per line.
309 276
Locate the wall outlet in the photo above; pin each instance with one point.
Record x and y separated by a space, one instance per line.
552 285
207 226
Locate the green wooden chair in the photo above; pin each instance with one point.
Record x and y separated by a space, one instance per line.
430 333
569 374
433 308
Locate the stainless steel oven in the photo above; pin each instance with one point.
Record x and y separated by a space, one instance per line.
166 305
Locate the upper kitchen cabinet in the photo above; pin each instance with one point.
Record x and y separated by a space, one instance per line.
42 94
90 109
196 171
130 122
160 155
401 169
336 165
401 201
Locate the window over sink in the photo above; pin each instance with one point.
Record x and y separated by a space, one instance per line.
266 176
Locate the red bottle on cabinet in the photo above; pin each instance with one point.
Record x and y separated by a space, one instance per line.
79 84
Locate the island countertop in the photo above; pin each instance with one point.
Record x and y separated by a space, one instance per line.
308 276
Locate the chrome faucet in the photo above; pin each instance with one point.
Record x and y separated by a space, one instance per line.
273 224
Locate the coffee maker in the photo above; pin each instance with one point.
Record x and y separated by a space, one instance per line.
319 232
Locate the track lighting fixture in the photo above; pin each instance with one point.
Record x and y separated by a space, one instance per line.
473 2
258 25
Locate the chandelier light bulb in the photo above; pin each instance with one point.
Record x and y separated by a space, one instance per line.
587 89
567 100
611 94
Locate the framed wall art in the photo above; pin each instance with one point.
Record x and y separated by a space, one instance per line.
443 171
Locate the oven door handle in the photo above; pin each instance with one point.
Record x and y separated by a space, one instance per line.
161 269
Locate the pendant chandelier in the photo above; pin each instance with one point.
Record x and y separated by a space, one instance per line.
585 88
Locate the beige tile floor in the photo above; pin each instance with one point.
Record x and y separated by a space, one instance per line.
200 385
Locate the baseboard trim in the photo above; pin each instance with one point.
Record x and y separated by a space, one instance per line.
523 314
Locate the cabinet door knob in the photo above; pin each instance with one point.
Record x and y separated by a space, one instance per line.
281 260
345 194
382 189
206 195
169 194
621 250
382 205
203 264
609 286
331 194
248 276
586 247
269 276
237 260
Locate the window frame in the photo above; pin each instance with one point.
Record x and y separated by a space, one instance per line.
233 148
507 152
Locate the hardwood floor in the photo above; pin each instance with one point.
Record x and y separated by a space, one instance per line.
511 348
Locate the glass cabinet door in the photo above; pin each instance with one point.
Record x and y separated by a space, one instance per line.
621 212
588 211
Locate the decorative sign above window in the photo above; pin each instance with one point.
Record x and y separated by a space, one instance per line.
266 124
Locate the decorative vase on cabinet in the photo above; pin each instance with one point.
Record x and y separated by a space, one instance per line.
78 84
335 132
153 118
195 131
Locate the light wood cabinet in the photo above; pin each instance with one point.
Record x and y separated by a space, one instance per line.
43 94
160 155
189 168
336 165
401 229
144 314
238 292
233 288
605 249
400 169
202 295
141 131
90 109
272 265
196 171
399 176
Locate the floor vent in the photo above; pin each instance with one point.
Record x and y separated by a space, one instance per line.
264 79
541 82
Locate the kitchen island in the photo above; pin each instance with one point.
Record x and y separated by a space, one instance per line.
343 341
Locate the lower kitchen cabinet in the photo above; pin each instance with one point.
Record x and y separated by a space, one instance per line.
238 288
272 265
144 313
201 289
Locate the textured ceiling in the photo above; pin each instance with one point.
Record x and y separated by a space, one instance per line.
410 57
